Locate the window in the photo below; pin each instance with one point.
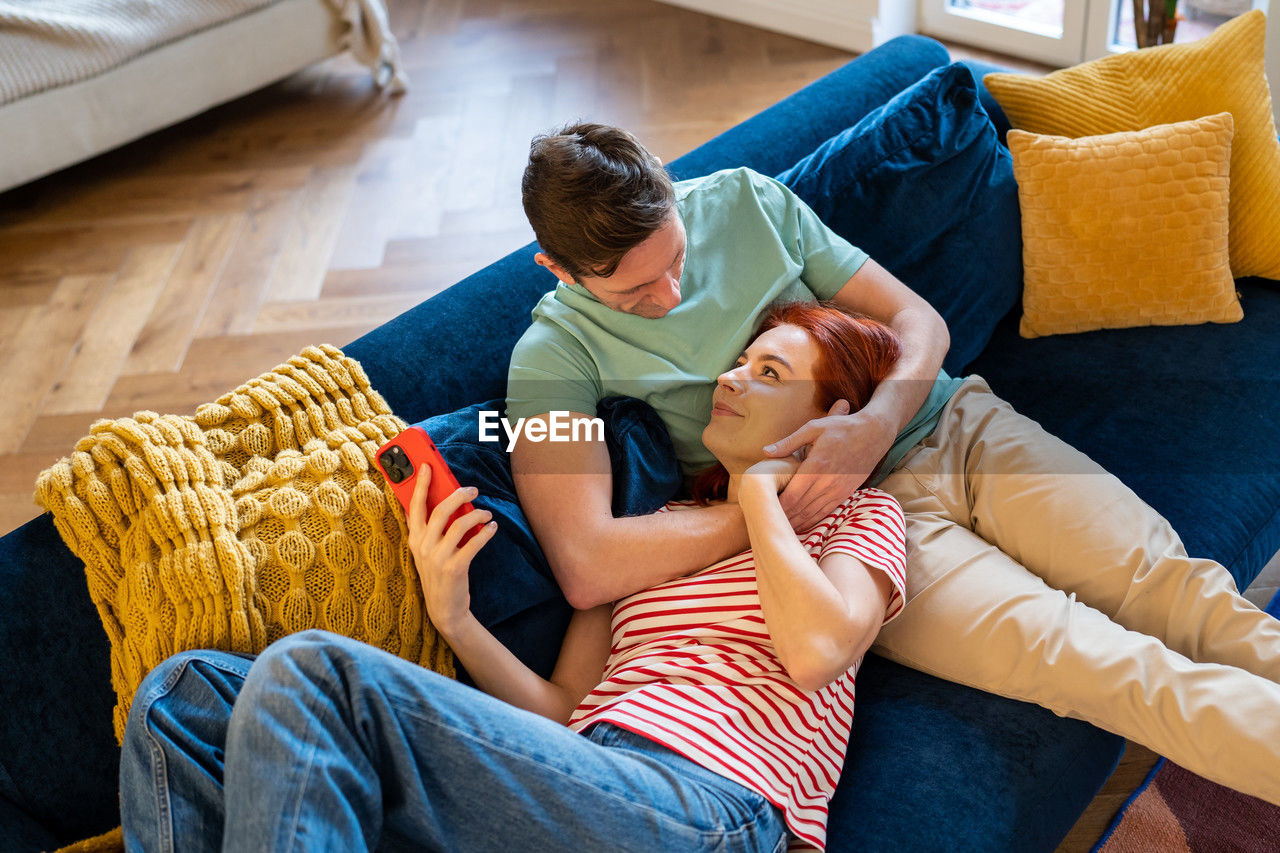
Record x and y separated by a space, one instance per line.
1064 32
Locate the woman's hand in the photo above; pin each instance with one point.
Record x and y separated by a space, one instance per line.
773 474
443 566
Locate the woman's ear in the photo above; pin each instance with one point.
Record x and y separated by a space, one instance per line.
542 259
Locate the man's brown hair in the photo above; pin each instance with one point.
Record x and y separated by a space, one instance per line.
593 193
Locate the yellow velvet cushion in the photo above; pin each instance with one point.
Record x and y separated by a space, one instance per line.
261 515
1126 229
1220 73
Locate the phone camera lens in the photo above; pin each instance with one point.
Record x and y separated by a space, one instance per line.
395 464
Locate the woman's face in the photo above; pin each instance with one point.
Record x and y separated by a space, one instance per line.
767 396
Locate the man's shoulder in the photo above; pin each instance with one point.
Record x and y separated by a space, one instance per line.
734 179
729 193
548 326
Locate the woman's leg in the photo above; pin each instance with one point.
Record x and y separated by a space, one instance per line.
171 759
985 621
1055 511
334 744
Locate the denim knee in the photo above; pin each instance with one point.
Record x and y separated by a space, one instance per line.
308 657
311 638
154 685
304 650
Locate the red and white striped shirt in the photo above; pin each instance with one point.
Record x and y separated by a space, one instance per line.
692 666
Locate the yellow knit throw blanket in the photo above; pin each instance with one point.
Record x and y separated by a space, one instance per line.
261 515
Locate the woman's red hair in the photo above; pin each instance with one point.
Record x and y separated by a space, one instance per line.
855 353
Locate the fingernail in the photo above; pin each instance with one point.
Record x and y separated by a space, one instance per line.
770 448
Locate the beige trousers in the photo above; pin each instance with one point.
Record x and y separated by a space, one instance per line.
1034 574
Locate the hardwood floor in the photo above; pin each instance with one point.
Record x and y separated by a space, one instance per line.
166 272
162 274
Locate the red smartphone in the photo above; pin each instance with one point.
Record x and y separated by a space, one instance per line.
400 459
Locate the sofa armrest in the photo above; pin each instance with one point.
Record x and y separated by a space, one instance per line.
19 831
59 762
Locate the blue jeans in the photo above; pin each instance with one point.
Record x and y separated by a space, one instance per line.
324 743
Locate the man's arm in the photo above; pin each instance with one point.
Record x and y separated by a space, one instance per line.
845 450
566 492
875 292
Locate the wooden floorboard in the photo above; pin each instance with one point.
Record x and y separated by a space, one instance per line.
164 273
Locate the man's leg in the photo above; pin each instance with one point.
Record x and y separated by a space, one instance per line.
1055 511
171 761
986 621
333 744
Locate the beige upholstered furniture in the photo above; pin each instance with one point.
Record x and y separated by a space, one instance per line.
79 77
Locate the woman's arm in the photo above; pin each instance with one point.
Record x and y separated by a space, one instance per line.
443 569
822 617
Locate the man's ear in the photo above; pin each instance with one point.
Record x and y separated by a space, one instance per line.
542 259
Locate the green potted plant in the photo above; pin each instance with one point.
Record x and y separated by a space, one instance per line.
1155 21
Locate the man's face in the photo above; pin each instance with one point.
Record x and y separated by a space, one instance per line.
647 282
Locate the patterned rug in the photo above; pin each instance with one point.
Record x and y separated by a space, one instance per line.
1176 811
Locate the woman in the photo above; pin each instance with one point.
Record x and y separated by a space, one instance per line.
715 708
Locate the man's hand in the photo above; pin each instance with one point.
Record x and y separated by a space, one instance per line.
840 453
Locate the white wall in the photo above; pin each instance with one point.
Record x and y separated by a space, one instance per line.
855 25
859 25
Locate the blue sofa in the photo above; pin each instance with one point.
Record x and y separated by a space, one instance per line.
1181 414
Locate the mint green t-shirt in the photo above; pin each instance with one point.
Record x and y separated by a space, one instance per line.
751 242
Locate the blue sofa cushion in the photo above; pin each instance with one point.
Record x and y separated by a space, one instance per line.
924 186
513 591
775 138
935 766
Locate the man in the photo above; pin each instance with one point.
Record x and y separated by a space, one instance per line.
1010 531
621 251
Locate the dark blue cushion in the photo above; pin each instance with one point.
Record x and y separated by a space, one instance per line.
980 69
924 186
774 139
643 460
513 591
